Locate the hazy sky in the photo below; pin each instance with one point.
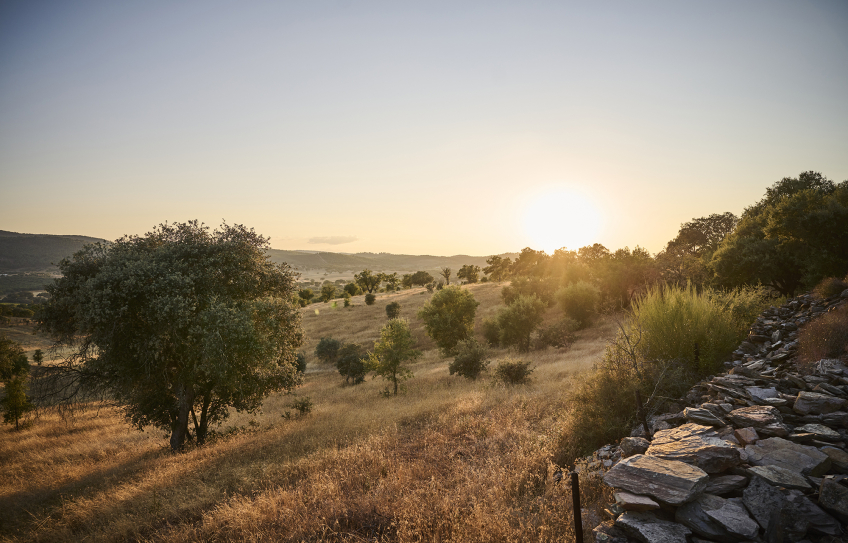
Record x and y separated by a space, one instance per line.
428 127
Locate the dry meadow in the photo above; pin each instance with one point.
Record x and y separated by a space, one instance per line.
448 460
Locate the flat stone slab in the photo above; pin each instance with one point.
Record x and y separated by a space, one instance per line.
634 502
726 484
670 481
633 445
762 393
819 431
838 458
833 498
716 518
762 500
815 403
776 451
765 419
696 445
777 476
701 416
646 527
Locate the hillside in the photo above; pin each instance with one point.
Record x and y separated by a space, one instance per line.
37 252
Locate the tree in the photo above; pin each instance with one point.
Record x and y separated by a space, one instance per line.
368 281
578 300
518 320
352 289
530 263
470 360
392 282
469 272
351 363
15 404
498 267
38 357
327 349
420 278
449 317
446 273
328 292
13 360
393 310
395 346
370 299
306 295
178 323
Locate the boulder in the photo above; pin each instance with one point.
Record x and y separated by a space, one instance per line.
819 521
726 484
777 476
646 527
716 518
762 393
696 445
634 502
838 458
746 436
762 500
815 403
702 416
837 419
833 498
606 532
763 418
780 452
667 480
633 445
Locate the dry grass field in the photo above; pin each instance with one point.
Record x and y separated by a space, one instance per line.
449 460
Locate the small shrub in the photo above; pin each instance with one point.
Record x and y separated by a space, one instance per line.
825 337
578 300
370 298
470 359
830 286
430 286
347 300
327 349
303 406
513 372
393 310
352 363
491 331
559 334
300 362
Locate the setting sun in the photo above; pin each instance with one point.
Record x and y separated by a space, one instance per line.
561 218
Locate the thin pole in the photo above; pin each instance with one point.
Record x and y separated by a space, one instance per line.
578 519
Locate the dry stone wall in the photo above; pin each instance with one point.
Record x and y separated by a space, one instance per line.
760 453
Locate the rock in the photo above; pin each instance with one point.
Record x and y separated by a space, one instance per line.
833 498
716 518
788 524
762 393
780 452
696 445
746 436
762 500
667 480
838 458
777 476
646 527
726 484
765 419
838 419
819 431
701 416
815 403
606 532
633 445
634 502
819 521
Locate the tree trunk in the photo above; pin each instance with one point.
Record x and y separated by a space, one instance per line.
395 379
180 428
204 419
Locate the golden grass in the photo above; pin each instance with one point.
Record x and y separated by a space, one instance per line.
450 460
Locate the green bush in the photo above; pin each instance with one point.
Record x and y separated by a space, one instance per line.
449 317
327 349
559 334
578 300
393 310
352 363
491 331
824 337
347 300
300 362
302 405
830 286
543 288
513 372
470 360
519 320
370 298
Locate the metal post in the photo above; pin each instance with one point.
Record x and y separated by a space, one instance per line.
578 519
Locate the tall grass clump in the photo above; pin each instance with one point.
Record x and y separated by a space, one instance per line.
824 337
654 353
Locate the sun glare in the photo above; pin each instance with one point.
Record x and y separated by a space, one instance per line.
561 218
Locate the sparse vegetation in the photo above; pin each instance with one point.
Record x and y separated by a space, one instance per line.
370 299
513 372
393 310
471 359
579 301
830 286
824 337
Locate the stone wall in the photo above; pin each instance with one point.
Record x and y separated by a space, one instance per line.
759 454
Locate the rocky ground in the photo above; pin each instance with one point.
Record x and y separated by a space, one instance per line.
760 454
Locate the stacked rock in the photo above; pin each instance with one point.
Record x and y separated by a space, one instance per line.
760 453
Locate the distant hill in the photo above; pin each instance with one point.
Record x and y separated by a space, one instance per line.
28 253
37 252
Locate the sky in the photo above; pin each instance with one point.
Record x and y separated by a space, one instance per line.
474 127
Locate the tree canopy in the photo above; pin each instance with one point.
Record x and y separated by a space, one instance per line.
180 322
368 281
449 317
395 346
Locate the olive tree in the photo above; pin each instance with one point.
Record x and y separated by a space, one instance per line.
449 317
395 346
179 325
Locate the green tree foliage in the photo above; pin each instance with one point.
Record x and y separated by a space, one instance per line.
420 278
518 320
328 292
179 324
579 301
370 299
393 310
530 263
38 356
306 295
686 257
327 349
300 363
796 235
469 272
541 287
13 360
395 346
392 282
15 404
352 289
471 359
449 317
491 331
446 273
498 268
368 281
559 334
352 363
513 372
